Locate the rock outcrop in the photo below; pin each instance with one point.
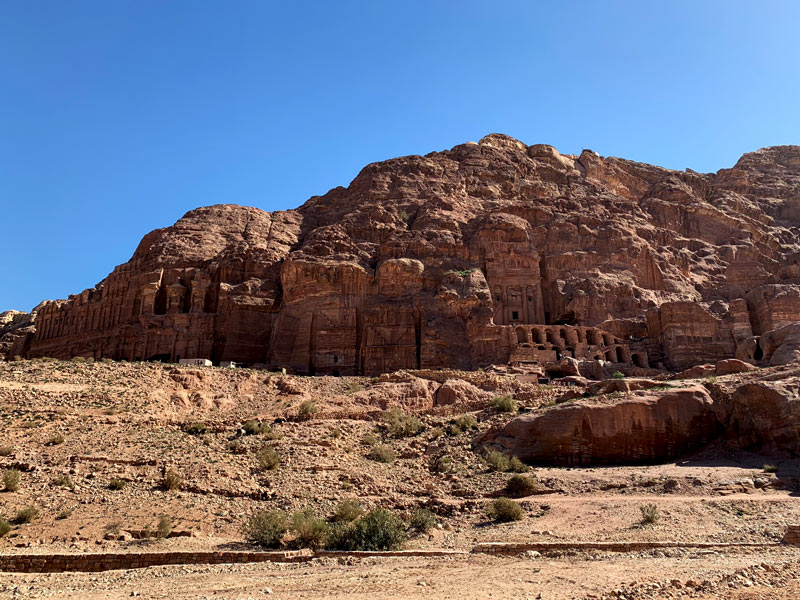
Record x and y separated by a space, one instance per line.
488 253
16 332
754 411
647 426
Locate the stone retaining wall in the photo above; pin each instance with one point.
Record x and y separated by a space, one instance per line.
512 549
792 535
55 563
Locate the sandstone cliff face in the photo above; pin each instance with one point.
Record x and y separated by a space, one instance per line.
490 252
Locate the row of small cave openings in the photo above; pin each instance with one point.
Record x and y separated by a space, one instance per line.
564 339
569 335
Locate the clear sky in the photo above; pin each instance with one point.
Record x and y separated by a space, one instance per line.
118 116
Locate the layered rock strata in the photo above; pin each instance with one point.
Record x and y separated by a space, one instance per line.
488 253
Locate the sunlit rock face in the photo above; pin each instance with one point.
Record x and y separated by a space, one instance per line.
488 253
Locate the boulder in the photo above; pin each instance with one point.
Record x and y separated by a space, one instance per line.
458 391
763 416
650 426
730 366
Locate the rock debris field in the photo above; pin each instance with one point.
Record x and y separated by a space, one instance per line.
94 443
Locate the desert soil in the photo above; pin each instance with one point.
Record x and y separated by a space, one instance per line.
129 422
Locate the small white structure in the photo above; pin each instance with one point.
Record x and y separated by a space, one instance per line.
227 364
197 362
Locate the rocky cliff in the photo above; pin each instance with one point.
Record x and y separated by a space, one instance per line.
488 253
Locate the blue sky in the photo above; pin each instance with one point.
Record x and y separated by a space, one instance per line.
117 117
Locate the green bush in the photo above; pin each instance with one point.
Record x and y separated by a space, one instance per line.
117 484
650 514
454 430
268 458
237 447
266 528
11 478
55 439
64 514
64 480
347 511
382 453
164 527
308 409
770 469
444 464
5 527
254 427
196 429
26 515
504 404
421 521
504 510
369 439
400 424
353 387
465 422
114 528
497 461
515 465
379 529
172 481
436 433
309 530
618 375
521 485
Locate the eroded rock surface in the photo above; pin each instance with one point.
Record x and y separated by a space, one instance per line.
754 411
648 426
488 253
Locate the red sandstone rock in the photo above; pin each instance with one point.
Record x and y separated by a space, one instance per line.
648 426
488 253
730 366
696 372
764 415
458 391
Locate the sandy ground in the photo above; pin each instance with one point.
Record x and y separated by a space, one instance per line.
129 422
